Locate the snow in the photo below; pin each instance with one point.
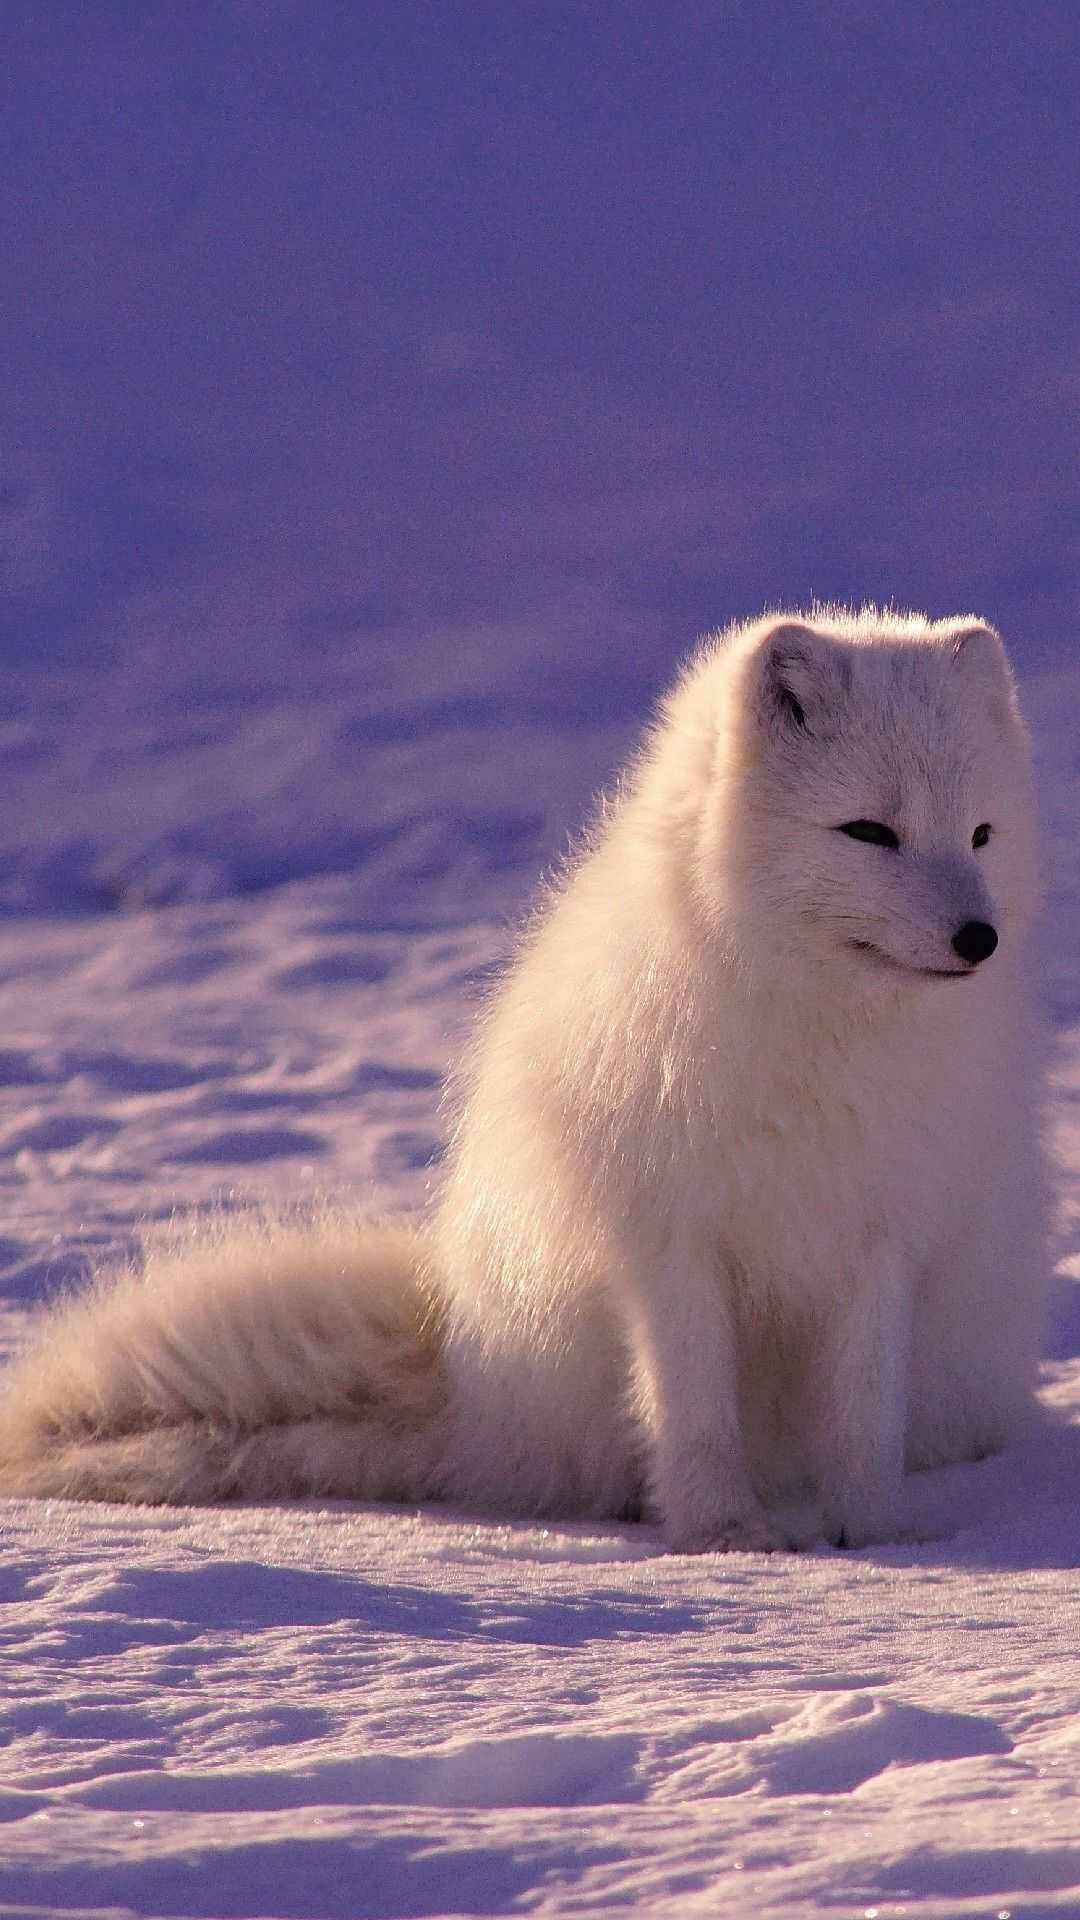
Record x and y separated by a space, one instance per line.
389 404
344 1711
298 1711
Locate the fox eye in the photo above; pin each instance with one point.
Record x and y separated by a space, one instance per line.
981 835
870 830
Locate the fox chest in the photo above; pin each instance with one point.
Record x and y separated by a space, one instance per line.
807 1181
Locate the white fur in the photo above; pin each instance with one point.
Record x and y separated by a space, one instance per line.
744 1201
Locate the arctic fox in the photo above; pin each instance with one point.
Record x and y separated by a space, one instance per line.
743 1208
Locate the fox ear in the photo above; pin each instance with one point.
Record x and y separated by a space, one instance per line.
978 649
984 665
801 676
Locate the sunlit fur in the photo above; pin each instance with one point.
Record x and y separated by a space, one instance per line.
743 1204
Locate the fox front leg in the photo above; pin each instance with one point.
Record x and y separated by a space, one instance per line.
859 1391
683 1345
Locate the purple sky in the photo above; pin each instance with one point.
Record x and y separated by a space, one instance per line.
326 325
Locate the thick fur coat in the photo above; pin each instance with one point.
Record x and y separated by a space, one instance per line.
743 1212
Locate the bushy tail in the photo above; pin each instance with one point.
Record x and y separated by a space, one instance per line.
253 1359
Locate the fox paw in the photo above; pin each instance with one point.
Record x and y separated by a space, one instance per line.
757 1532
867 1529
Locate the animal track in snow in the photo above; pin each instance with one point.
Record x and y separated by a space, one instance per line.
58 1133
338 968
243 1146
516 1770
836 1742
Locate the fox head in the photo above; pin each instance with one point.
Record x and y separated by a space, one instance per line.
869 806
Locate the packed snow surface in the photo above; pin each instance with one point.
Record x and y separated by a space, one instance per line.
352 1711
392 395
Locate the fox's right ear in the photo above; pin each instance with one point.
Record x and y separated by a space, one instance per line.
801 675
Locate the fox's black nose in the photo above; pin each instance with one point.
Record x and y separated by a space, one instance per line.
974 941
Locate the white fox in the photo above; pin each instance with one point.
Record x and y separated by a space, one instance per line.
744 1203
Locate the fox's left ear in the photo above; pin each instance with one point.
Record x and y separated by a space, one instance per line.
981 658
978 649
802 676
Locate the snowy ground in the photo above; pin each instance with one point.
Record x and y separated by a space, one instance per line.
306 1711
391 394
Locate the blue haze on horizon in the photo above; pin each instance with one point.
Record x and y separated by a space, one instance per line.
375 332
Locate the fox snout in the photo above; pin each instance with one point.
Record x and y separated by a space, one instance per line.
975 941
